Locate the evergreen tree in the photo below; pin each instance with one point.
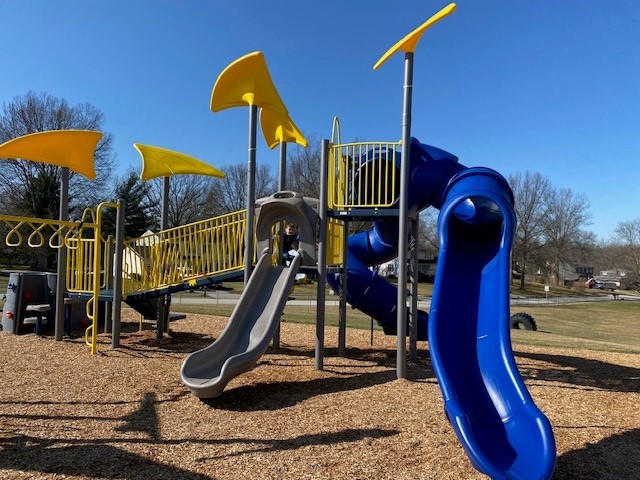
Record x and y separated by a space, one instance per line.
138 216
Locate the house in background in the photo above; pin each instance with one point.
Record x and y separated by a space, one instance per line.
622 277
584 271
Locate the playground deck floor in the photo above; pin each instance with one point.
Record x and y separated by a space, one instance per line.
124 414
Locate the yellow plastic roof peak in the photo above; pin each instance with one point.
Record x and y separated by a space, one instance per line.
73 149
410 41
246 81
278 128
162 162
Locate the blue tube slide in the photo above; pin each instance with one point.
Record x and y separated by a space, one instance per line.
430 169
503 432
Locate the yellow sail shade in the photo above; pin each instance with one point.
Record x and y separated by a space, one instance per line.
278 128
74 149
246 81
410 41
162 162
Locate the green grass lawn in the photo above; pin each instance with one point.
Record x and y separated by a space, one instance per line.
426 289
611 326
608 326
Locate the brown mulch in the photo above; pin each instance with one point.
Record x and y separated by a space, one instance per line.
124 414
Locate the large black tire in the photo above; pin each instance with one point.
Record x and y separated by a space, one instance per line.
523 321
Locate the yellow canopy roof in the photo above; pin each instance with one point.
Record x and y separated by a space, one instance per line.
410 41
73 149
246 81
278 128
162 162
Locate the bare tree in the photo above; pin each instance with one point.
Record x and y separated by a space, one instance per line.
229 194
188 200
628 234
428 231
31 188
567 213
303 169
531 192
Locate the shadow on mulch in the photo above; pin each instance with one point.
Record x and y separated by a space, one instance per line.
383 357
276 396
348 435
85 460
176 342
583 372
617 456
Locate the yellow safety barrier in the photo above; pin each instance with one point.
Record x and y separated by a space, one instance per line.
38 232
185 254
363 175
335 242
80 254
85 258
91 333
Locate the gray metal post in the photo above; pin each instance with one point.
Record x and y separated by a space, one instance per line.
282 170
322 255
251 193
162 305
62 256
401 351
342 314
413 273
282 184
117 278
108 283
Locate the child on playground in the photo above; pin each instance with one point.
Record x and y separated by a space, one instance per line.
290 242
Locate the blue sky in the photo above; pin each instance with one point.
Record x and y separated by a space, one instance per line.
550 86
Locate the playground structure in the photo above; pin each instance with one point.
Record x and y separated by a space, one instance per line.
504 434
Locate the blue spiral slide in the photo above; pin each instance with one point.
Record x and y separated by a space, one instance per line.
502 431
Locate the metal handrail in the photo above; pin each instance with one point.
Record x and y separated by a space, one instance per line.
363 175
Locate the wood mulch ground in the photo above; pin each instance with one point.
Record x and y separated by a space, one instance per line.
124 414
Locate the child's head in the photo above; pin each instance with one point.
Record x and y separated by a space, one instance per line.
289 229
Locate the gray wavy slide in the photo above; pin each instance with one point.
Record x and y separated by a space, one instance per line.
251 327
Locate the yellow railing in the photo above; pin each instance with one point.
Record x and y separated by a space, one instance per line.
98 266
85 252
363 175
185 254
81 248
35 232
78 237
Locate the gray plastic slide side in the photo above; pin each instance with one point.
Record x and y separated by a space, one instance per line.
251 327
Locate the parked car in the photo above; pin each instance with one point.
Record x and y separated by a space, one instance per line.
605 285
600 284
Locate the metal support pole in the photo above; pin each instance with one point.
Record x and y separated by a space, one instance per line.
342 318
251 193
117 279
322 255
62 256
401 351
162 317
413 274
282 184
282 170
108 275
